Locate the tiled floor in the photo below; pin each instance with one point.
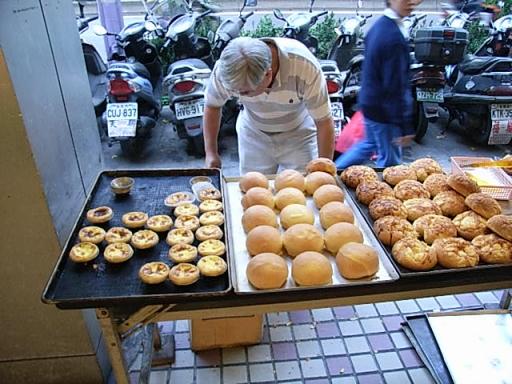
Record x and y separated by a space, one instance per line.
355 344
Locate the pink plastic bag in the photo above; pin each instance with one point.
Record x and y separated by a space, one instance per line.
352 133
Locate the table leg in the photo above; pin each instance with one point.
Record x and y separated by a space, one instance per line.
506 298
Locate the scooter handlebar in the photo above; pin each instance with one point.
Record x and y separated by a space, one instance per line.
322 13
206 13
245 17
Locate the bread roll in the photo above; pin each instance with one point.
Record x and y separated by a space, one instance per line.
311 268
410 189
340 234
322 164
302 237
355 261
267 271
264 238
258 196
327 193
367 191
335 212
397 173
425 167
502 225
450 202
483 204
258 215
290 178
463 184
454 252
316 179
289 195
436 183
253 179
296 214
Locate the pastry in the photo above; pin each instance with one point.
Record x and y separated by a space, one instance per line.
289 195
410 189
470 224
322 164
435 183
335 212
315 180
454 252
211 193
211 218
212 266
267 271
155 272
184 274
134 219
327 193
118 235
182 253
425 167
483 204
432 227
355 174
99 215
302 237
450 202
413 254
420 207
253 179
501 225
340 234
159 223
211 247
290 178
395 174
264 239
311 269
208 232
390 229
463 184
387 206
493 249
355 261
189 221
144 239
295 214
83 252
210 205
176 198
180 235
258 196
91 234
367 191
258 215
189 208
118 252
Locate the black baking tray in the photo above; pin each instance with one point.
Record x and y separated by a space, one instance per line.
99 283
437 270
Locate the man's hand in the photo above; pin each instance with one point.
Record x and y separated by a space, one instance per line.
212 161
404 141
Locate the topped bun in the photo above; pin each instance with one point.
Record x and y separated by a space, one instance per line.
463 184
322 164
290 178
425 167
253 179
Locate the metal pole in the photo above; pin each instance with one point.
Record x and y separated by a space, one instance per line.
111 17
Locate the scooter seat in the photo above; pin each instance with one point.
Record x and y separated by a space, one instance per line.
473 65
141 70
186 65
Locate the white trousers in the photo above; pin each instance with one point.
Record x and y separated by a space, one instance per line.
270 153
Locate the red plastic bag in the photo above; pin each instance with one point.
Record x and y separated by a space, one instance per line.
352 133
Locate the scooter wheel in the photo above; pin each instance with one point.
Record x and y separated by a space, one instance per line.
197 144
478 126
420 123
133 148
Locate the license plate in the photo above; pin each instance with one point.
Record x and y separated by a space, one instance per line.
188 109
122 119
429 95
501 120
337 116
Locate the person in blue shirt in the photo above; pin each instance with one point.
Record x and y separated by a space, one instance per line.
385 98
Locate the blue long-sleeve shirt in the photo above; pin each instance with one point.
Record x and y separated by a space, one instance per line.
386 94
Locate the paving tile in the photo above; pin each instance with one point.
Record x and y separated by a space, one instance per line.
400 340
181 326
388 361
408 306
343 380
365 310
363 363
208 358
233 355
486 297
428 304
304 332
182 376
339 365
260 352
344 312
448 302
327 329
284 351
350 327
468 299
281 333
287 370
313 368
265 337
397 377
373 325
333 347
308 348
410 358
387 308
299 317
278 318
380 342
318 381
184 358
370 378
182 340
392 323
166 326
323 314
421 376
357 344
261 373
234 374
158 377
208 375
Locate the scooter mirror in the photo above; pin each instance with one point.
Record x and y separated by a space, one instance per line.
99 30
250 3
311 5
150 26
278 14
211 36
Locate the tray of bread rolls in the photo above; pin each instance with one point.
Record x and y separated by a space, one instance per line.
145 236
430 222
292 231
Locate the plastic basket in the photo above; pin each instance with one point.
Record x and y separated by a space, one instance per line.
499 184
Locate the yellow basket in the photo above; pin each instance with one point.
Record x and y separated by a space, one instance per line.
493 181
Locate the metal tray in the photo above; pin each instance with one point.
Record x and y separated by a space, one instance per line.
99 283
240 256
404 272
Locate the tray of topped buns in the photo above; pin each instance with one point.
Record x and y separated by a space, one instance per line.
145 236
430 222
294 231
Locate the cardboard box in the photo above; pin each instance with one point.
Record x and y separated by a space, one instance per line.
220 332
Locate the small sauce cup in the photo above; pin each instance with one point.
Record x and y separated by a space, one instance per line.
121 185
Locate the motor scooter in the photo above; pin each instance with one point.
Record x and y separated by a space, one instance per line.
499 41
